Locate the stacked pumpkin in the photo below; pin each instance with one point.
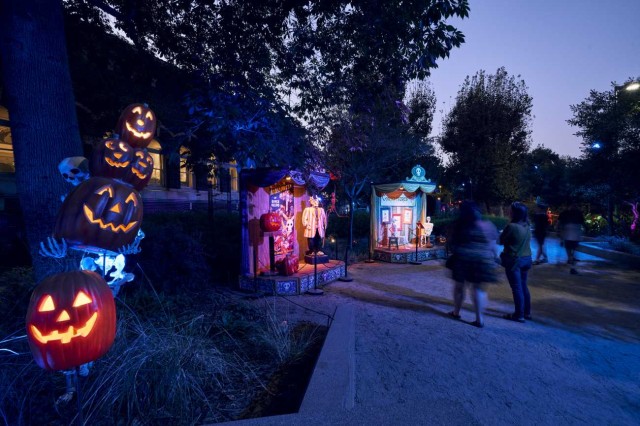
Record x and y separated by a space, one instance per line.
71 319
105 211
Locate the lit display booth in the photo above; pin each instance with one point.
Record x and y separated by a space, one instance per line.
400 230
273 257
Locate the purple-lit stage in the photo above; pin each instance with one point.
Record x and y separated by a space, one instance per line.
297 283
407 253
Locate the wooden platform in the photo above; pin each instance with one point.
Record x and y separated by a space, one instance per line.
407 253
297 283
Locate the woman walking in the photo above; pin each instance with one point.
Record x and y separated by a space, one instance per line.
516 259
472 261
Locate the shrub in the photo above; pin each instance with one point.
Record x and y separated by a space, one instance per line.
594 224
176 360
339 225
186 251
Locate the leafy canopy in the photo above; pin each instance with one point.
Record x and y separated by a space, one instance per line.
486 134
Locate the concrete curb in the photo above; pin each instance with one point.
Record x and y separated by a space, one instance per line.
332 384
333 381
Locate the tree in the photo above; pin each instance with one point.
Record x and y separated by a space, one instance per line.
41 105
421 105
243 126
338 52
486 135
362 148
543 175
609 125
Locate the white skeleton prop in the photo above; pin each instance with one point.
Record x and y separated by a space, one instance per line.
74 170
111 268
53 248
133 248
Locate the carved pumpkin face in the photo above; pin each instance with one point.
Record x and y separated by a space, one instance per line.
137 125
112 158
141 169
101 213
71 320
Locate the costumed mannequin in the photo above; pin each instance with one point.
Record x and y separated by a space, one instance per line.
314 220
428 229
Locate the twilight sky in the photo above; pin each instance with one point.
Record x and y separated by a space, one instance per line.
562 49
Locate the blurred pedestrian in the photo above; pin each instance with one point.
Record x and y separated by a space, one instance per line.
473 259
571 222
516 260
540 230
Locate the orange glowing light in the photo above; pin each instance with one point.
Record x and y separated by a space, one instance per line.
137 134
65 336
119 228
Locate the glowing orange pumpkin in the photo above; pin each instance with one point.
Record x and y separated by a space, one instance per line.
100 212
71 320
270 222
112 158
141 169
137 125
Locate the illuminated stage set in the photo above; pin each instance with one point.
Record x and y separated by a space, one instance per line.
399 219
278 217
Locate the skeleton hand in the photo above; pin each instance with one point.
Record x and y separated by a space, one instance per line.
133 248
53 249
130 249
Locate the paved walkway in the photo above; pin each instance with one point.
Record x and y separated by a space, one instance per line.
393 356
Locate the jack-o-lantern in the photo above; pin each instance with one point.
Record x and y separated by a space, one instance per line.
71 320
140 170
137 125
270 222
101 213
112 158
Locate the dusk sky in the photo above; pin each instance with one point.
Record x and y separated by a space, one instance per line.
562 49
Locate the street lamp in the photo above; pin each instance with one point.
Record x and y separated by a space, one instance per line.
630 86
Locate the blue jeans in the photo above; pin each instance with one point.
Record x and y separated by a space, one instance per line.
518 281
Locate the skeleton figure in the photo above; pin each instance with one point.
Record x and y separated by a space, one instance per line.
111 268
74 170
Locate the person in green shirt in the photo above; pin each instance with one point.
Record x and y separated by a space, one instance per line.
516 259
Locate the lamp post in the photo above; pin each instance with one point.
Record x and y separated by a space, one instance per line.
628 87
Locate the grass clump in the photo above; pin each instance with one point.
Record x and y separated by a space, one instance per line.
179 359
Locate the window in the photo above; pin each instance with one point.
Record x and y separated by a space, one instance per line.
186 178
7 164
157 177
233 172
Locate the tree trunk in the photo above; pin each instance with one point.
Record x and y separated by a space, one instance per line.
42 113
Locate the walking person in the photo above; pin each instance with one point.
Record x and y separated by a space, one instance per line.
540 230
571 222
516 260
473 245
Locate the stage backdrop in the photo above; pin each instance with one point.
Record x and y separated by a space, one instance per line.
274 190
400 205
